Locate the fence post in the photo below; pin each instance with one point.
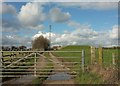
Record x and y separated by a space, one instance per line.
83 60
100 55
113 58
1 60
92 54
35 61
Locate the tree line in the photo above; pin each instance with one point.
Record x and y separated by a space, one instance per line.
14 48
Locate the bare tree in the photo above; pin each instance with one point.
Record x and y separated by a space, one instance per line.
40 43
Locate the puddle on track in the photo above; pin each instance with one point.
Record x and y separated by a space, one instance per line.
59 76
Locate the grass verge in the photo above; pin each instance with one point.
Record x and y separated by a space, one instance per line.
88 78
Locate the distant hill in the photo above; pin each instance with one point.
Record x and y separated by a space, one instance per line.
75 47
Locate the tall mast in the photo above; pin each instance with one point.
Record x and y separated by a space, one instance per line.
50 30
50 36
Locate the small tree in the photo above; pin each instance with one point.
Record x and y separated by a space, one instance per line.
40 43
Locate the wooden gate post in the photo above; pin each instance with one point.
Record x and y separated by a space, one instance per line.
35 61
1 71
92 54
83 60
2 60
1 64
100 55
113 58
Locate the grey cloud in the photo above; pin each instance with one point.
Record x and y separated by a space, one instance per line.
7 9
56 15
11 25
15 40
91 5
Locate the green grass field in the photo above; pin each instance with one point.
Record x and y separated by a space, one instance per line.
74 54
107 54
87 77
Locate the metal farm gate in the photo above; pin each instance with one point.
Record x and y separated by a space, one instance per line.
17 64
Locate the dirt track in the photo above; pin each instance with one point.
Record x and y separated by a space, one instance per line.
61 83
62 68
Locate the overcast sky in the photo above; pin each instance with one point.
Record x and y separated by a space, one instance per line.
73 23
